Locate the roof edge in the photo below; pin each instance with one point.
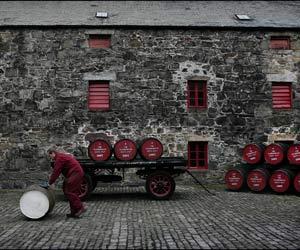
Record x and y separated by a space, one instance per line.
154 26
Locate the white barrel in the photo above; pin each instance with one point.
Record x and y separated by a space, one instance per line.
37 202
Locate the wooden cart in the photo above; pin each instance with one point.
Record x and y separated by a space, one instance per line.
159 174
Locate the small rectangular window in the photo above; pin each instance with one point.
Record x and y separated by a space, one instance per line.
98 96
243 17
99 41
282 95
280 42
197 94
197 155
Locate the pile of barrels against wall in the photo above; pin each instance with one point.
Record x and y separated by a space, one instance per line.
125 149
276 166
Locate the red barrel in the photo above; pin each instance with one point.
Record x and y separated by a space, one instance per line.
257 179
151 149
293 154
281 180
125 150
100 150
275 153
235 178
297 182
253 153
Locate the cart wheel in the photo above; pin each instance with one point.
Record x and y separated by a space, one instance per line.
86 187
160 185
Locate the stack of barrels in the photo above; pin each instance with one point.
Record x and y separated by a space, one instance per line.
125 149
276 166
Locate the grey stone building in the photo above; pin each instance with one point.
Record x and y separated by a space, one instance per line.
203 76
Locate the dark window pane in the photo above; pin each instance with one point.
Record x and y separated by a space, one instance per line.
192 102
193 155
191 85
200 102
192 146
201 163
201 155
193 164
192 94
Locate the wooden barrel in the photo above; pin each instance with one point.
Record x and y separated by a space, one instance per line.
296 182
281 180
257 179
293 154
100 150
37 202
253 153
151 149
275 153
125 150
235 178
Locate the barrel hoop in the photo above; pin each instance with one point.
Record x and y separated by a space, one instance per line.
293 154
252 153
100 150
125 150
297 182
281 180
151 149
274 153
36 202
235 178
257 179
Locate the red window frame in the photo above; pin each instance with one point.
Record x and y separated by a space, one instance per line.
99 41
197 155
98 95
197 94
280 42
282 95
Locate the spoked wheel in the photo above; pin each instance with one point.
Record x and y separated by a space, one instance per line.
160 185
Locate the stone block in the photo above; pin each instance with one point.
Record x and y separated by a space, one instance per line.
11 72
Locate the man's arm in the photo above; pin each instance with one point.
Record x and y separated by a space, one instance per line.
56 171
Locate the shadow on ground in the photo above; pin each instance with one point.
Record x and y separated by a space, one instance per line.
121 193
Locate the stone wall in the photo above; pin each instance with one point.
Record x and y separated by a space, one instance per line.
44 76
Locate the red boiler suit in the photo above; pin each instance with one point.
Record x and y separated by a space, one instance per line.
72 171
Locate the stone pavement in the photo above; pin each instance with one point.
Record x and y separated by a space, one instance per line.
124 217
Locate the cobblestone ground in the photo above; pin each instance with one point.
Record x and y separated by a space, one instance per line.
125 217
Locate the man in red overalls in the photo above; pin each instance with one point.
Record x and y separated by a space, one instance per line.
73 173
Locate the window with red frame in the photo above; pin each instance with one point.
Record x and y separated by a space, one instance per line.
280 42
99 41
98 96
197 94
197 155
282 95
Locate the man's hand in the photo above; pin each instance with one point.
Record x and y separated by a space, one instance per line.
51 186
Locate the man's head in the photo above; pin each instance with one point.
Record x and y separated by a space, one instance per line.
51 152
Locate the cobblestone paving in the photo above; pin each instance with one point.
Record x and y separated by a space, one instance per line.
125 217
